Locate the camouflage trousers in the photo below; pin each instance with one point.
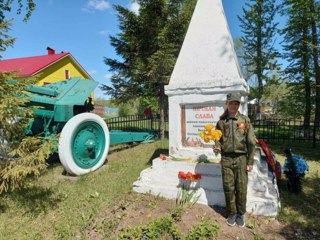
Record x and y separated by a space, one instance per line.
235 180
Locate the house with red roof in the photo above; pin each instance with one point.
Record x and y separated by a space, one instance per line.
52 67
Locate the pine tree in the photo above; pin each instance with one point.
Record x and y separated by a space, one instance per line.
259 31
314 7
5 24
148 45
22 5
21 158
298 41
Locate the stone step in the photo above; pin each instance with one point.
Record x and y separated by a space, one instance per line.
207 197
258 204
201 168
170 177
162 179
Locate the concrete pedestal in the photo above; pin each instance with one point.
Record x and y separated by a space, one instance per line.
162 179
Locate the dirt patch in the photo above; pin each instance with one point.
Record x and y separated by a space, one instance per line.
139 209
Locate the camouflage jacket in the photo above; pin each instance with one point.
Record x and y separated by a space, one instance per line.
237 136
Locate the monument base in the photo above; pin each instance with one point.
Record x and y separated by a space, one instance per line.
161 179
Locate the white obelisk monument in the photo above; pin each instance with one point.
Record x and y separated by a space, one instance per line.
206 70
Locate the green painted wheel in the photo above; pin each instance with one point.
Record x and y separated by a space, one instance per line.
88 144
84 143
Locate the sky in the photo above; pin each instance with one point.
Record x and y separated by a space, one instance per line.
82 28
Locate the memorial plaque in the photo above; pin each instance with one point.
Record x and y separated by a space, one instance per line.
195 117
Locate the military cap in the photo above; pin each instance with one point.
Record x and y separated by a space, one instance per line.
235 96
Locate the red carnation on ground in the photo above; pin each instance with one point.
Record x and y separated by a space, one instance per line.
163 156
189 175
197 176
182 175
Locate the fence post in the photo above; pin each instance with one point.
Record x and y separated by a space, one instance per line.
151 122
314 134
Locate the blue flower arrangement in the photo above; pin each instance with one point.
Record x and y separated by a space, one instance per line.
294 168
296 164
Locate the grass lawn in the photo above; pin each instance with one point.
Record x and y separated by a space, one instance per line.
57 206
301 210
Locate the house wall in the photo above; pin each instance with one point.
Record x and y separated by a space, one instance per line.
56 72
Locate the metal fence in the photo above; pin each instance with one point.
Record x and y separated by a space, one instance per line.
286 130
137 123
268 130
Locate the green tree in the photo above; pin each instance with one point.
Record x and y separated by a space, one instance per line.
5 24
298 51
147 102
259 31
27 5
148 46
314 8
276 94
22 158
246 68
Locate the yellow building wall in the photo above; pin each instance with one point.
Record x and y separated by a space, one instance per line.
57 72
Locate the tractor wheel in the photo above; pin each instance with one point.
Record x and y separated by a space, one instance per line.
84 143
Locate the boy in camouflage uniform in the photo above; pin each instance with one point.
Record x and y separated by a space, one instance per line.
237 147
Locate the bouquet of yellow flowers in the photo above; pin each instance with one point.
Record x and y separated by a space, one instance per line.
210 134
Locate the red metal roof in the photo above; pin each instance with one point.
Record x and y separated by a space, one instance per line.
30 65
